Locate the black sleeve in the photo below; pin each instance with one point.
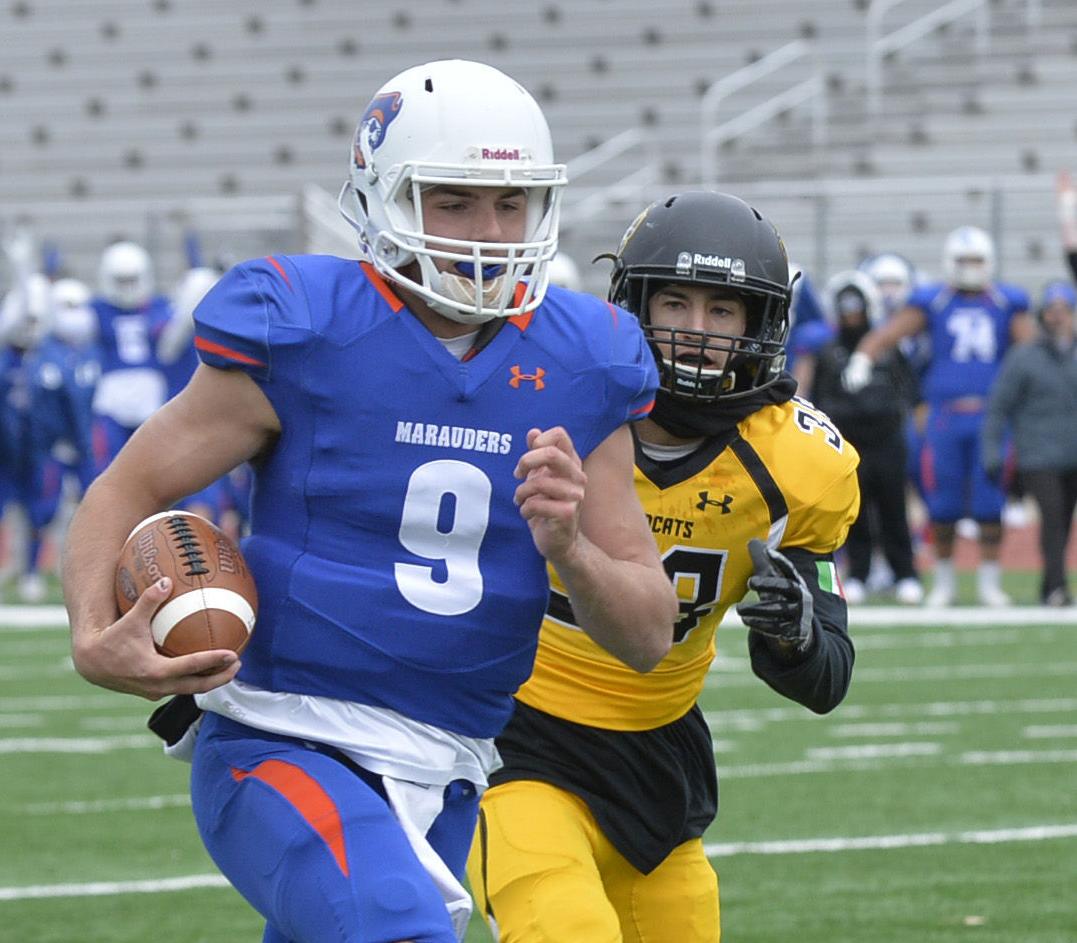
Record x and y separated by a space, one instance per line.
1071 257
819 677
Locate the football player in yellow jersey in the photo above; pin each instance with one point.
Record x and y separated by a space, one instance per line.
592 830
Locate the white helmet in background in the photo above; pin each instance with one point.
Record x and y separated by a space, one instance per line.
125 276
74 322
968 259
26 313
893 276
454 123
853 292
565 272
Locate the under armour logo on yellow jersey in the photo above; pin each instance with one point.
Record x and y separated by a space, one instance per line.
705 502
518 376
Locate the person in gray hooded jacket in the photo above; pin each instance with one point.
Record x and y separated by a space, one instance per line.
1035 399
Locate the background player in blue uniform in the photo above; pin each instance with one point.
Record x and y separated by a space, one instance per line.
428 429
972 321
130 317
24 324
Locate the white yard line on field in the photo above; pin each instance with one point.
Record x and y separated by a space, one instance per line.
76 744
873 757
111 888
133 804
22 618
886 842
929 728
721 722
1049 732
25 618
62 702
713 850
727 673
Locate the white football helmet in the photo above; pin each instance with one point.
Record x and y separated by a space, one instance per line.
125 276
968 259
26 312
454 123
852 291
74 321
893 276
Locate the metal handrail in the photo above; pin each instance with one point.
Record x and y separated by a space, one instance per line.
629 188
809 90
324 229
712 137
878 47
608 150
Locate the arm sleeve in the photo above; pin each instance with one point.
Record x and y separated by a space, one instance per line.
633 376
239 317
1005 394
820 678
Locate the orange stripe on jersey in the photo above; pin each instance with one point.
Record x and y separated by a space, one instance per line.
210 347
520 321
643 410
280 271
383 288
310 800
613 311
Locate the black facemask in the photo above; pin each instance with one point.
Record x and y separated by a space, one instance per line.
690 420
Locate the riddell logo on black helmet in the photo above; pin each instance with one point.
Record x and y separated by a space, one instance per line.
686 261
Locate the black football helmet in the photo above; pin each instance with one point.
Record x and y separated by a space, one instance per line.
702 237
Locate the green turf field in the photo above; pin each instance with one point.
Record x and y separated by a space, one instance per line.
939 803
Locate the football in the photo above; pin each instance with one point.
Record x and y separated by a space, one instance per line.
213 603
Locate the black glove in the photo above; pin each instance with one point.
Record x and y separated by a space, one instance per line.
785 606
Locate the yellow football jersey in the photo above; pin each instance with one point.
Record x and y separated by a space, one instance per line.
787 477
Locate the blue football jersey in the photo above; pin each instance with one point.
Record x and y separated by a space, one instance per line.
63 381
393 567
128 338
970 334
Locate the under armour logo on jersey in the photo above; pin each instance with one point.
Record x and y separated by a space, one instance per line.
518 377
705 502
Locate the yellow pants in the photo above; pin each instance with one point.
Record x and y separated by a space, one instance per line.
542 871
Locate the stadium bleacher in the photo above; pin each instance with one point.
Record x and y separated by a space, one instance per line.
149 117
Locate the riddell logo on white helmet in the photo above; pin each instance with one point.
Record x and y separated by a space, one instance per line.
687 260
500 153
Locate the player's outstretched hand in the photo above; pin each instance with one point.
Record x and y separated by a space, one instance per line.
123 657
785 607
552 491
857 372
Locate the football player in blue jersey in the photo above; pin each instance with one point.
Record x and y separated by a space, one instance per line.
25 317
972 321
429 428
130 316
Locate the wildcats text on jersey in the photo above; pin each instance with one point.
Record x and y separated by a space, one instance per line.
670 526
453 437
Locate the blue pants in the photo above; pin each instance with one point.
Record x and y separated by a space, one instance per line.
311 842
952 473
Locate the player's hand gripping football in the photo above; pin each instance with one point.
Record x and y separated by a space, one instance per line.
552 491
122 656
785 607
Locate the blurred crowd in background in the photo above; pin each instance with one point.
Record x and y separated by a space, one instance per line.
959 392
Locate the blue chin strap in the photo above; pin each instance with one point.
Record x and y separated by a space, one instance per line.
489 272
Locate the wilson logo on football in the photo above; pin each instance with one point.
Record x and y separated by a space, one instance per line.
519 377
